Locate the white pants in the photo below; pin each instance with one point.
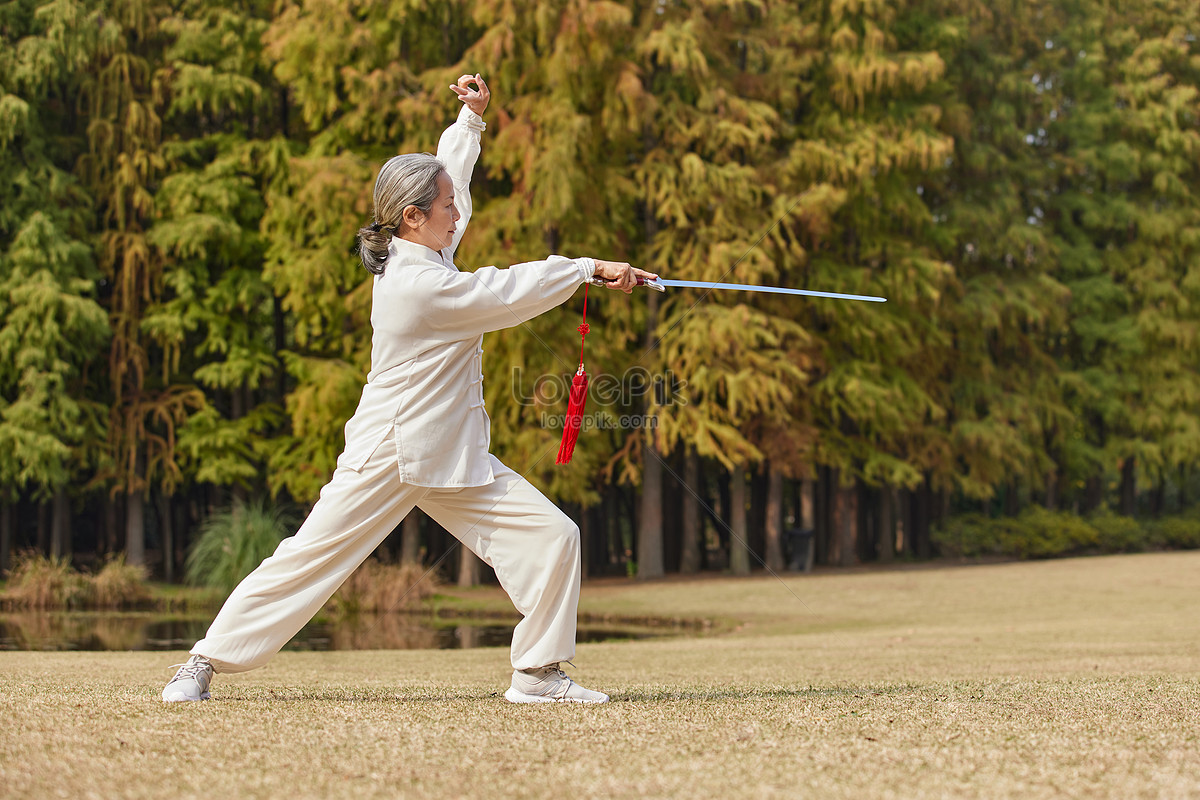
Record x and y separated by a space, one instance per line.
532 545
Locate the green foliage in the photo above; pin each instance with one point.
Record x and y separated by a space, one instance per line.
233 542
1181 532
180 185
1038 533
51 325
1118 534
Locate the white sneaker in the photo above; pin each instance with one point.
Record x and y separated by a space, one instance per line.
191 682
549 684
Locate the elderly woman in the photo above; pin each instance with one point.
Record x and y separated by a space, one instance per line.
420 436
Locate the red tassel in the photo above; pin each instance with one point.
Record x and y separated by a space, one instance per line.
574 419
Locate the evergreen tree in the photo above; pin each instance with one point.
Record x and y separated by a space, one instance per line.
121 169
1000 375
867 115
51 327
217 319
1123 210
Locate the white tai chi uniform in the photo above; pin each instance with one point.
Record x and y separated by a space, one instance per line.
420 438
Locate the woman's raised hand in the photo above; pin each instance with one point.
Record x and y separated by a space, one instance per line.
619 275
475 99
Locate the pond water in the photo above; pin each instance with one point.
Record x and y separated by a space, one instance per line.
131 631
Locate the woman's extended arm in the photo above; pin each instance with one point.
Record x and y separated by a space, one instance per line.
455 305
459 147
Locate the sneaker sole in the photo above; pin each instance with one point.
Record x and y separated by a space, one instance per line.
204 696
513 696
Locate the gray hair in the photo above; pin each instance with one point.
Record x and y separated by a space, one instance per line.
408 180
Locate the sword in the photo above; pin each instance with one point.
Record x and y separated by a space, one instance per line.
661 284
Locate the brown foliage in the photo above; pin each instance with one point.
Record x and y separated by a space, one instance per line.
384 588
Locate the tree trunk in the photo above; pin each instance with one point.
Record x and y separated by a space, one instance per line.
111 525
468 567
43 528
650 523
1012 499
612 527
60 525
834 511
1051 499
922 502
774 522
886 522
756 512
1093 494
135 529
689 555
806 505
739 546
181 527
904 524
628 499
597 522
868 528
6 535
167 531
650 533
1158 499
649 544
410 538
845 525
1129 486
673 494
822 540
723 506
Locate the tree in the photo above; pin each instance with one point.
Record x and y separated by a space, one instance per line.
51 326
218 320
121 168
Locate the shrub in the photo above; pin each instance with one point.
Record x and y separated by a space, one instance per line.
232 543
966 536
1118 534
383 588
40 582
1180 532
1047 534
119 585
1036 533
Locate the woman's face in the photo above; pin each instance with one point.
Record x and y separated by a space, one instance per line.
435 230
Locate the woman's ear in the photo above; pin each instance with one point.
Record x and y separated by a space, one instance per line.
413 217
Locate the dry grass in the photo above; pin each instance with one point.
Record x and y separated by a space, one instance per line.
383 588
120 585
44 583
41 582
1069 678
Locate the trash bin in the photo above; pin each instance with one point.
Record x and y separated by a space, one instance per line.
799 545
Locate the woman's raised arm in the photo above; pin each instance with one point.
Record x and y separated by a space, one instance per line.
459 147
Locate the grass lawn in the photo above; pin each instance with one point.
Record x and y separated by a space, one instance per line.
1072 678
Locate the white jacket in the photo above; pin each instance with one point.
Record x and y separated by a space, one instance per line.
426 379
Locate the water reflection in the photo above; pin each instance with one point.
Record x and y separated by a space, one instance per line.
116 631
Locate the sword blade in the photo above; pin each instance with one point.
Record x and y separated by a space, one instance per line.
749 287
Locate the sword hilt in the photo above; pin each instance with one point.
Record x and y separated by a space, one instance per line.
651 283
